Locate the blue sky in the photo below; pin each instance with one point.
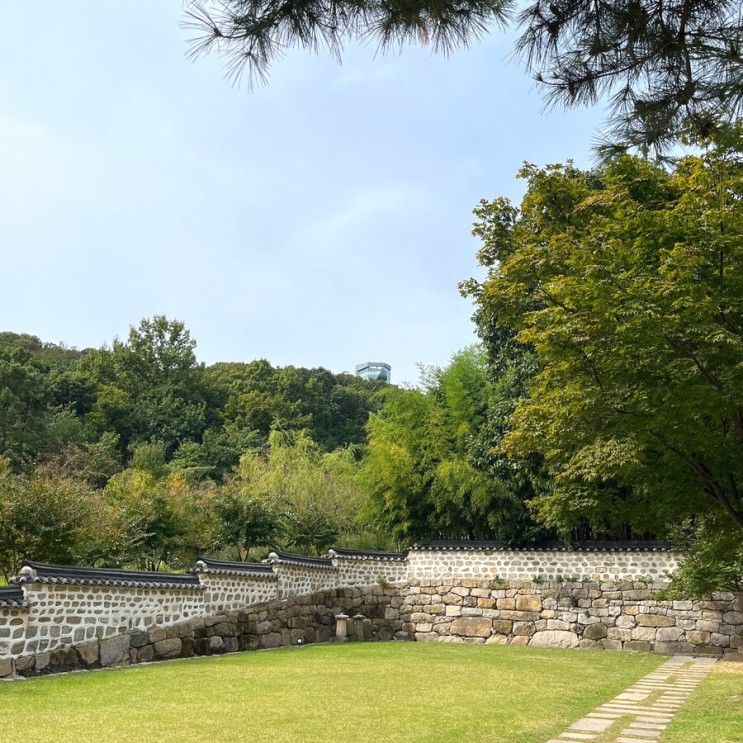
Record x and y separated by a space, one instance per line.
321 220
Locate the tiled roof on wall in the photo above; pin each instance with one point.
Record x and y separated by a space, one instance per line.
367 554
286 558
37 572
12 597
592 546
225 567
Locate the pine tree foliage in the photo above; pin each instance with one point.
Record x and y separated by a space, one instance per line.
252 33
667 66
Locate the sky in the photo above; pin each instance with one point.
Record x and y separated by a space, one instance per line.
323 219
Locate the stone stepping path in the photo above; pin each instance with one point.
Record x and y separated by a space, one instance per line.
642 712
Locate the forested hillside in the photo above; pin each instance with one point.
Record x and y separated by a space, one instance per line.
150 388
130 453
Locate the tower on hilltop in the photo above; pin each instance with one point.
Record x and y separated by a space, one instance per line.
374 370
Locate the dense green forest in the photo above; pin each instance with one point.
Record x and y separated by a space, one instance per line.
137 454
133 453
603 401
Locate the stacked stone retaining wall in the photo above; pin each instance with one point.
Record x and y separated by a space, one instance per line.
608 615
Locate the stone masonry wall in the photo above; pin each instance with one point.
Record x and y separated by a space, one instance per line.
232 592
606 615
293 621
428 564
600 599
63 611
13 623
301 579
367 572
64 614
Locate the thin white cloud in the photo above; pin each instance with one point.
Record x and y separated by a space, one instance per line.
356 213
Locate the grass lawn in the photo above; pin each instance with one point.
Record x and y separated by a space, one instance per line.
363 692
714 711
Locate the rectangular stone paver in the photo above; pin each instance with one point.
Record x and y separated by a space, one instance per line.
649 734
597 724
645 712
642 718
577 736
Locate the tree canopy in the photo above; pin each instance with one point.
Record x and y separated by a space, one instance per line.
101 403
628 283
432 464
666 65
144 457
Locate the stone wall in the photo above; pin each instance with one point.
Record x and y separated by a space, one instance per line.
52 607
368 568
294 621
70 614
514 564
13 623
599 598
300 575
607 615
230 590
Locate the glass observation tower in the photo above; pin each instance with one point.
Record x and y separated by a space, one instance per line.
374 370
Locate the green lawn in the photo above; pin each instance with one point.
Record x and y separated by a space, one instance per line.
714 711
364 692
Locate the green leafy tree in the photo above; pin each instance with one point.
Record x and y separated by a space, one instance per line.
62 403
432 464
73 391
165 386
48 516
627 281
217 455
95 462
318 493
52 356
113 412
665 64
149 388
333 408
311 531
245 522
29 424
395 466
259 411
149 457
713 558
168 518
